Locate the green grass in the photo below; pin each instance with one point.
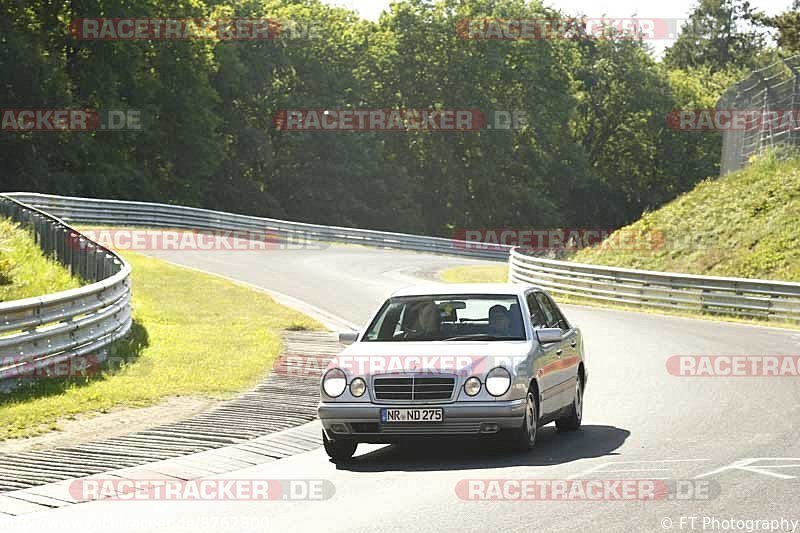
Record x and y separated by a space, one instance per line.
745 224
24 270
194 335
476 274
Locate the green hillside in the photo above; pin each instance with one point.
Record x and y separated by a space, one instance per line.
24 269
746 224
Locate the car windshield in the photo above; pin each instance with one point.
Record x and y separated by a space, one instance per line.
448 318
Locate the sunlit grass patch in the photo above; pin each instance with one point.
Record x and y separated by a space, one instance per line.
194 334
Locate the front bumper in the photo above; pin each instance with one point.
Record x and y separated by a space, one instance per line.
361 421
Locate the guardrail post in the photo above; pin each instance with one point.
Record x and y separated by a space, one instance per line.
703 307
72 255
84 246
91 254
35 225
59 244
51 239
99 258
767 309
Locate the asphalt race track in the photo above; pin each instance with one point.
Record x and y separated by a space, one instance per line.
741 435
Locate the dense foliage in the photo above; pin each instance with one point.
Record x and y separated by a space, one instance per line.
596 148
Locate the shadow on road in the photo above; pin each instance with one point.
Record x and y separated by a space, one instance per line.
552 448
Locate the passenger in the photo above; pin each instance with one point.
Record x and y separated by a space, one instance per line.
499 321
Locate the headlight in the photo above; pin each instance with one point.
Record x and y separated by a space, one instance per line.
357 387
472 386
498 381
334 383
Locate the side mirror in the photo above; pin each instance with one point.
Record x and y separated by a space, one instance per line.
549 335
348 337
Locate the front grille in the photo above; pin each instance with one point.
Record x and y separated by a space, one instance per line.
414 388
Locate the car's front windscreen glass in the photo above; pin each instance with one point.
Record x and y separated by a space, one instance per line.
448 318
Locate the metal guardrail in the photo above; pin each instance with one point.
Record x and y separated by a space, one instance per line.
123 213
55 333
770 300
767 300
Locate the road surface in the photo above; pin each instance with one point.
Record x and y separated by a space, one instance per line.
740 434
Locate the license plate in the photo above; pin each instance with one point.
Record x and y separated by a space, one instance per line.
390 416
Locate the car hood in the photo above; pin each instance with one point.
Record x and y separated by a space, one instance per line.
467 358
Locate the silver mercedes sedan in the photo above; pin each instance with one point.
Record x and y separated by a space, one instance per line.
482 360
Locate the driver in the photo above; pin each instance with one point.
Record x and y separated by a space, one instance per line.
428 321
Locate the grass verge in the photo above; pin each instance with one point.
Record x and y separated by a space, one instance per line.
194 334
475 274
24 270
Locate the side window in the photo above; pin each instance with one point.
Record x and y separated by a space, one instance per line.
389 324
538 318
562 322
550 316
558 320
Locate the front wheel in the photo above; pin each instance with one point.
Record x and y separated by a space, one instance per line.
524 438
572 421
339 450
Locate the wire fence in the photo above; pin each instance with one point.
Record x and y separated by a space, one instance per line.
771 98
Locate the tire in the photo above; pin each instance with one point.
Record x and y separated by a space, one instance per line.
572 421
339 450
524 438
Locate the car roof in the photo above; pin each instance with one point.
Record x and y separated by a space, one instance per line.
464 288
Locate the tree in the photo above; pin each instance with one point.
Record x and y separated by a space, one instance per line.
717 35
594 148
620 122
787 25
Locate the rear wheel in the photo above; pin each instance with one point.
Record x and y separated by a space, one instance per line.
572 421
524 438
340 450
